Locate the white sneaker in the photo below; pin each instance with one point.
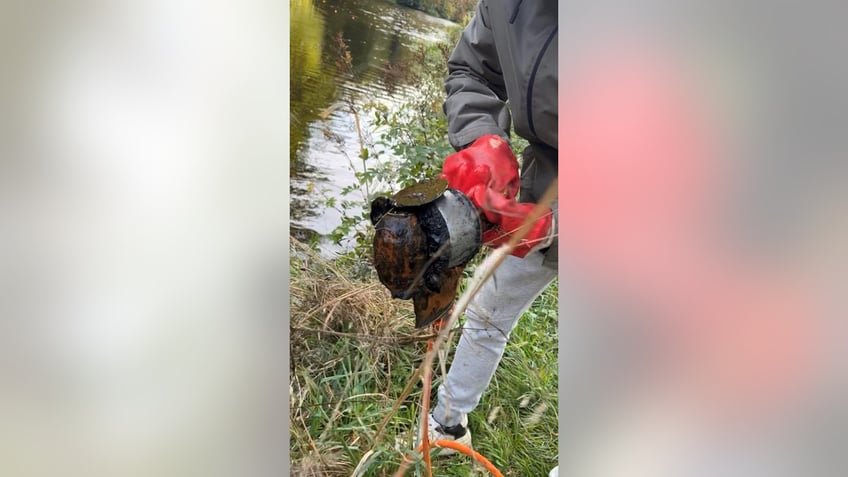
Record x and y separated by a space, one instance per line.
459 433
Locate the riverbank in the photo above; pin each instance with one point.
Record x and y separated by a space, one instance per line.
353 348
347 57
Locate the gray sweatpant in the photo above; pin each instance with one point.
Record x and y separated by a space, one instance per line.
490 318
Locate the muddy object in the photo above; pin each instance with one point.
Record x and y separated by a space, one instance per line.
429 308
400 252
421 193
379 207
421 248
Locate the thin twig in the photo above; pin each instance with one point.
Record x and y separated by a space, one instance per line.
487 268
481 274
330 314
336 414
341 298
312 442
396 405
358 336
361 148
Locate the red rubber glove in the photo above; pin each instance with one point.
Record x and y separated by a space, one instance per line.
507 215
488 163
487 172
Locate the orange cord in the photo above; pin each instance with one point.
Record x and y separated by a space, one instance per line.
425 445
457 447
469 452
425 414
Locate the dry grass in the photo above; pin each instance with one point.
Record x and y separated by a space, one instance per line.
351 344
328 305
353 350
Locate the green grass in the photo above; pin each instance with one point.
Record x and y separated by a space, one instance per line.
353 350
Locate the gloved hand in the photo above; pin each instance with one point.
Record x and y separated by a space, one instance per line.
487 164
507 216
487 172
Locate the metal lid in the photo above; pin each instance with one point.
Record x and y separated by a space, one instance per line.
421 193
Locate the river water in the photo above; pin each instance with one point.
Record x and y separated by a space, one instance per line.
324 139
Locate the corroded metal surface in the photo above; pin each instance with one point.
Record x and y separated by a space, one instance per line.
424 236
421 193
429 308
400 252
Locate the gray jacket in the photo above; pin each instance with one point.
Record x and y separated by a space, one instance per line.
504 69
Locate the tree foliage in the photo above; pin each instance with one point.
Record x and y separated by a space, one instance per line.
406 143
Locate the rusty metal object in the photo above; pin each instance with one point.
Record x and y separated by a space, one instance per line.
429 308
424 236
400 252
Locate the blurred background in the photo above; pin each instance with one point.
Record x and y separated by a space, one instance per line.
143 225
703 211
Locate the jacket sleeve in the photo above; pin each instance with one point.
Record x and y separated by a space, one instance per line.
476 94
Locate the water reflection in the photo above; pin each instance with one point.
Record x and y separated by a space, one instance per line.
311 84
381 38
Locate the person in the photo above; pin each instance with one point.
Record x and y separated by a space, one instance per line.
720 335
502 73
